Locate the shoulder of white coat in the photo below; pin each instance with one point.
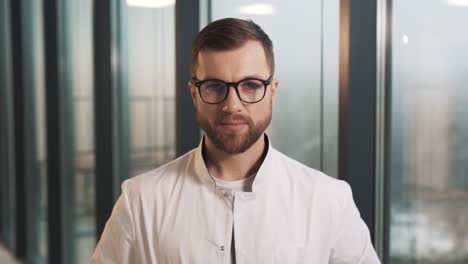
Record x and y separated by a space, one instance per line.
158 178
312 179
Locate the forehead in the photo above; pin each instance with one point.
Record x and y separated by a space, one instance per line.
232 65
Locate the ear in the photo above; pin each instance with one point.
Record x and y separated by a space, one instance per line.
193 92
274 87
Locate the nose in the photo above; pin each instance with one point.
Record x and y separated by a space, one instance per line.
232 104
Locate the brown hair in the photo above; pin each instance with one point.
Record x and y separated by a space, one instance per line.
228 34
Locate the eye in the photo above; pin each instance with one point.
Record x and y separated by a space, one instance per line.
251 85
213 86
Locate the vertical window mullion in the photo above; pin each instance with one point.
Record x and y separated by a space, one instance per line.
57 136
20 119
357 131
187 26
104 118
7 169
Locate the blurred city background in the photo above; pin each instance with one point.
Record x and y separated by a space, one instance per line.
94 92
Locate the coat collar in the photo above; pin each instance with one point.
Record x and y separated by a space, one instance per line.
263 176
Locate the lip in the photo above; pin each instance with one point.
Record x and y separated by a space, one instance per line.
233 125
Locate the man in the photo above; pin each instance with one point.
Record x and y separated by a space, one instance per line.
234 199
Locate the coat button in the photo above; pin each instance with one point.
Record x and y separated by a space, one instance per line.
222 248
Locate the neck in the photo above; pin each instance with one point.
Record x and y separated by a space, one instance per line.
232 167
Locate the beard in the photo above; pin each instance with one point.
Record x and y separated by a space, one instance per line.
231 142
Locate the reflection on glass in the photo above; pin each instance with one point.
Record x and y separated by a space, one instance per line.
150 38
295 28
79 190
429 139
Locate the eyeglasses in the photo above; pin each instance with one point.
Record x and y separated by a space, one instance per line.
249 90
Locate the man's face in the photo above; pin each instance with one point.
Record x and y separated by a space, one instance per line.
234 126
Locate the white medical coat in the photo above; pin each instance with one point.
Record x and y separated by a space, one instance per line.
176 214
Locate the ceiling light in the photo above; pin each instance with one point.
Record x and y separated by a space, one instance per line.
463 3
405 39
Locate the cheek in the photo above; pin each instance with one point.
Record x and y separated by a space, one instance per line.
206 111
259 111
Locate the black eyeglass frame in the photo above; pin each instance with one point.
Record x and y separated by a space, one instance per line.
198 84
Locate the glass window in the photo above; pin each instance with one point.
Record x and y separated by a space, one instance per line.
305 119
429 139
149 36
33 84
78 188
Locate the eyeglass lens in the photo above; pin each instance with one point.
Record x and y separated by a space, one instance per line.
250 90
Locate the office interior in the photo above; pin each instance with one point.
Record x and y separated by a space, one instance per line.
371 92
